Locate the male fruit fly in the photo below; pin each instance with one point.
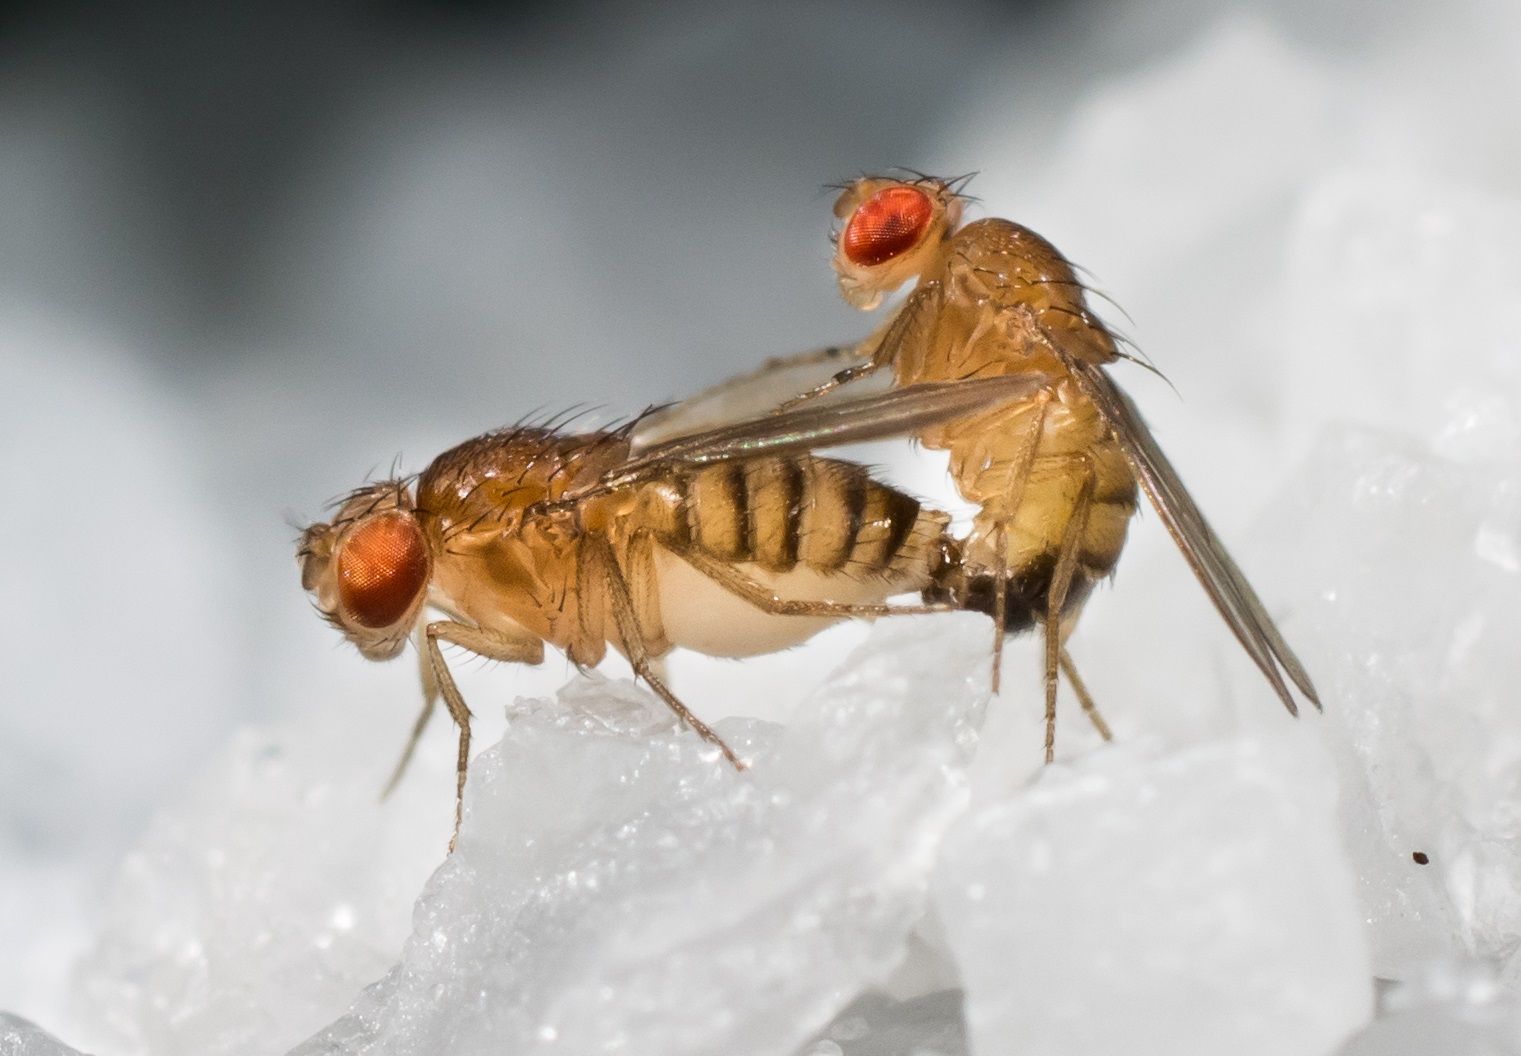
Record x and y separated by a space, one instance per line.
732 541
1055 472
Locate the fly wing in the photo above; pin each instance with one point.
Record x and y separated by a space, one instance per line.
745 397
899 412
1206 555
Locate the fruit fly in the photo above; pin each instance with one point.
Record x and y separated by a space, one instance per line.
1054 472
732 541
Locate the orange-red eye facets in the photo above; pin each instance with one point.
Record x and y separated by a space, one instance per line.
382 567
886 224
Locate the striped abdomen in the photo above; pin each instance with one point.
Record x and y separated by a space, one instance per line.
798 529
785 513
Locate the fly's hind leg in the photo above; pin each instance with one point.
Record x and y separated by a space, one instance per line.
767 600
1056 598
1000 599
1019 476
493 645
597 555
1089 708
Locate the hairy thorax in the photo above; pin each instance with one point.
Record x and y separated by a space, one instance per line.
1009 303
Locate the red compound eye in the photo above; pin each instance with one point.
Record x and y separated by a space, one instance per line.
886 224
382 567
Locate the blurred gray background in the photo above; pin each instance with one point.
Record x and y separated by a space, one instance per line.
250 253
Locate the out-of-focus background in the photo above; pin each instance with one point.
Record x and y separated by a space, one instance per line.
251 253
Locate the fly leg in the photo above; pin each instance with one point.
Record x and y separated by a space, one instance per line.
1000 598
747 396
910 328
767 600
844 377
1056 597
1089 708
430 701
597 554
493 645
1019 476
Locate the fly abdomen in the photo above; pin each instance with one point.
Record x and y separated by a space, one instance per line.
776 489
717 507
784 512
852 523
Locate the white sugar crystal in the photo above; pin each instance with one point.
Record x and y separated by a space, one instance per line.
876 1024
249 916
1452 1007
1411 626
1402 303
617 886
18 1037
1144 901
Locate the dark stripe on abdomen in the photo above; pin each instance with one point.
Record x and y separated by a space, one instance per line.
717 510
830 518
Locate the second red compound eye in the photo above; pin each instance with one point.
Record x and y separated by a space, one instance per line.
886 224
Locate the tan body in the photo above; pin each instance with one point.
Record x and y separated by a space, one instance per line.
986 308
1056 470
803 528
730 541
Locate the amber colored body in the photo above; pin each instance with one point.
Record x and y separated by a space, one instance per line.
731 541
806 528
998 291
1057 469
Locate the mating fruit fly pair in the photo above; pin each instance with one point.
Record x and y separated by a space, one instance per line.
736 539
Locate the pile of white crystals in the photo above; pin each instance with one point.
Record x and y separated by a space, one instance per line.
896 875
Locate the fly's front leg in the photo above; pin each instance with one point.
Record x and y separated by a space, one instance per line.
430 701
494 645
765 599
844 377
910 329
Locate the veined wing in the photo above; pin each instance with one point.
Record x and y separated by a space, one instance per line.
748 396
898 412
1206 554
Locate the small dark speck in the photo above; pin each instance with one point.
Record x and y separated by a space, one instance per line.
1420 858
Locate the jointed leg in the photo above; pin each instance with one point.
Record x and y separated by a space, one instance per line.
912 327
1019 476
1056 597
746 396
595 550
490 644
1000 600
430 701
844 377
765 599
1089 708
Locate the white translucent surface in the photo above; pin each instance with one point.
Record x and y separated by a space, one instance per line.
617 888
611 868
18 1037
1448 1006
1159 902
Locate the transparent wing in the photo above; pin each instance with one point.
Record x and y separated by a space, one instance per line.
900 412
1206 555
745 397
